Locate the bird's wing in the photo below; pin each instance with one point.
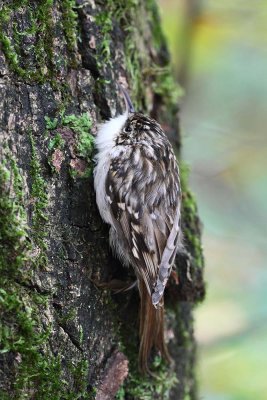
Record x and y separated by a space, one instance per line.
143 191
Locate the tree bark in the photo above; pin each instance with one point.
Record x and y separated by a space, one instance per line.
62 337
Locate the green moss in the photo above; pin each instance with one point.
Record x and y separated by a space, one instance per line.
38 187
12 220
80 373
38 374
155 24
104 21
39 30
18 335
5 14
40 19
127 16
190 218
56 142
81 125
69 23
68 316
84 142
164 84
11 55
134 68
39 205
40 27
161 75
42 376
51 123
124 14
114 11
140 387
158 76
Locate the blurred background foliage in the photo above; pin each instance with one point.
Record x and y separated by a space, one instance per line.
219 53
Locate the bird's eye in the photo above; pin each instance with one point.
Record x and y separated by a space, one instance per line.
127 129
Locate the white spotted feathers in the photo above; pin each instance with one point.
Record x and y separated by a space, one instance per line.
138 193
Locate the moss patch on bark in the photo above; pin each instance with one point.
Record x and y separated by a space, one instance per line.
24 339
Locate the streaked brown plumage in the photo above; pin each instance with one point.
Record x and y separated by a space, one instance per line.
138 194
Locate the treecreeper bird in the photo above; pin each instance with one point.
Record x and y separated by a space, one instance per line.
138 194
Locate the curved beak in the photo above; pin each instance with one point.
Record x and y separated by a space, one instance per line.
127 100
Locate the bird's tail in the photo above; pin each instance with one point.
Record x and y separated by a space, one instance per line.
151 329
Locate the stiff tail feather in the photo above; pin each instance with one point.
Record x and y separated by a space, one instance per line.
151 329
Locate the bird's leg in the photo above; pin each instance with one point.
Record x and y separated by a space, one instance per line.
115 285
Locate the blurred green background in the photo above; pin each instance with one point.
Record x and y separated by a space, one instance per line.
219 53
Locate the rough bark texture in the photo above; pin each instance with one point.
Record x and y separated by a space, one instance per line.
61 337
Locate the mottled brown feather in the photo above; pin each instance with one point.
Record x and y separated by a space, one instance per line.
144 191
142 204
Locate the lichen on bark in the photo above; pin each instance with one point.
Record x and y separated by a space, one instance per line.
61 336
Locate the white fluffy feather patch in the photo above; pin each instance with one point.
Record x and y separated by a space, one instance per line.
105 142
107 134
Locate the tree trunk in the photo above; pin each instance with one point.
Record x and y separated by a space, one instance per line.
61 336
